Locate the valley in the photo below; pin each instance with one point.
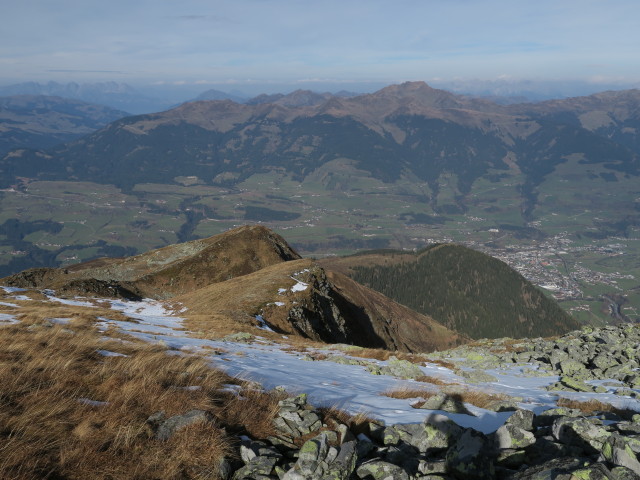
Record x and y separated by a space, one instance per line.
571 256
550 188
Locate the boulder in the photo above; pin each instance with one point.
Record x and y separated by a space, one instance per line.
477 376
512 437
317 460
469 457
616 451
446 403
522 419
165 428
580 432
381 470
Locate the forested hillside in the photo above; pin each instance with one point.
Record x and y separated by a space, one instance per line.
467 291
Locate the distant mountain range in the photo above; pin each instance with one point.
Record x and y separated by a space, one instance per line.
119 96
402 131
38 121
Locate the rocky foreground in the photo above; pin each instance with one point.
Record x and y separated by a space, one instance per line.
559 443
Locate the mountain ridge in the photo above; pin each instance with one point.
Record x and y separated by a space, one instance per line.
246 273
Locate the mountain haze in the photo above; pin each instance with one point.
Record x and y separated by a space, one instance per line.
38 121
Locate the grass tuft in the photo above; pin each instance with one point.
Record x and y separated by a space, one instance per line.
595 407
68 411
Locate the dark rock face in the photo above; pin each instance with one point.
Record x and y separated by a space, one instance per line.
571 448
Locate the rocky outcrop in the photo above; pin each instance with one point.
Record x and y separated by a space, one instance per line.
524 448
578 358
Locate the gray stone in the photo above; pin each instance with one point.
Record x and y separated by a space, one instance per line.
317 460
509 436
445 402
573 368
623 473
604 361
468 458
402 368
164 429
551 470
511 458
258 467
616 451
477 376
380 470
580 432
522 419
430 468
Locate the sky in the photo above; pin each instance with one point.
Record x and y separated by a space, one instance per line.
238 43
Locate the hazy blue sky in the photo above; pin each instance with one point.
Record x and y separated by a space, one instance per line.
238 42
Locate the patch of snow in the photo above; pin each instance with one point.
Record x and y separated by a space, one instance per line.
279 304
7 304
281 291
20 297
108 353
59 321
8 319
78 302
13 289
299 287
349 387
262 324
93 403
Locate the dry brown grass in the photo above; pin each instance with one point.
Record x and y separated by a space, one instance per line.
473 397
380 354
593 407
434 380
49 427
358 423
442 363
407 392
252 412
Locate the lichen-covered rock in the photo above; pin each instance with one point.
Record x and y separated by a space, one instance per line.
258 467
296 419
616 451
381 470
512 437
401 368
469 457
477 376
580 432
317 460
553 469
571 384
446 403
522 419
511 458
